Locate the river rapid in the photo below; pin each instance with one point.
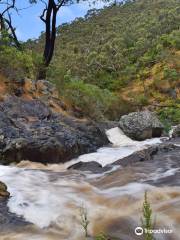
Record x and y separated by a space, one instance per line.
52 197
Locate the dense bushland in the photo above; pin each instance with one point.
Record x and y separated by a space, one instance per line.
112 61
133 45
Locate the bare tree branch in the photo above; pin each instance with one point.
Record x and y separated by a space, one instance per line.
10 6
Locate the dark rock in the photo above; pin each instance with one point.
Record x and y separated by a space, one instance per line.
93 167
18 92
9 220
141 125
87 166
175 141
29 130
148 154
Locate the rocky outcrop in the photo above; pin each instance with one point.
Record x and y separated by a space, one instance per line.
141 125
37 89
30 130
176 131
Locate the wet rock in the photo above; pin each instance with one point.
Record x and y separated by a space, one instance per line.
31 131
3 191
176 131
87 166
141 125
8 220
151 153
93 167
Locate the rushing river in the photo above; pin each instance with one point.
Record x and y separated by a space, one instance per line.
51 196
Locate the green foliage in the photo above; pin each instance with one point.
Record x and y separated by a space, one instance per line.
171 40
60 77
101 237
142 100
169 116
93 101
4 38
108 49
111 47
84 220
147 224
171 74
16 64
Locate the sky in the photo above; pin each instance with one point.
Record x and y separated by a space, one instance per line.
28 24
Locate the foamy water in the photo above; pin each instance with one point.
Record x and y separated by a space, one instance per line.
122 146
52 199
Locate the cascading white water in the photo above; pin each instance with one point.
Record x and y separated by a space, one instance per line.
51 199
118 138
122 146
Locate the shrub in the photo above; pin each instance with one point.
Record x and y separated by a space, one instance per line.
169 116
16 64
147 224
84 220
142 100
171 40
101 237
170 74
59 76
93 101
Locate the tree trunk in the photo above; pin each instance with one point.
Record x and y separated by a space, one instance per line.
50 36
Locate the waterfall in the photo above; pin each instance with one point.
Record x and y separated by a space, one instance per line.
122 146
118 138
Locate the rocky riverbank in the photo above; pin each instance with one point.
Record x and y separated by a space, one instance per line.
147 169
30 130
157 153
36 126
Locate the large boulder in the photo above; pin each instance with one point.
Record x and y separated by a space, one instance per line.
141 125
176 131
29 130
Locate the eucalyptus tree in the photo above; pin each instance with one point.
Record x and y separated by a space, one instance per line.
50 10
49 17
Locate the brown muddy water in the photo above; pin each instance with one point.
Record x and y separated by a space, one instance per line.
50 197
